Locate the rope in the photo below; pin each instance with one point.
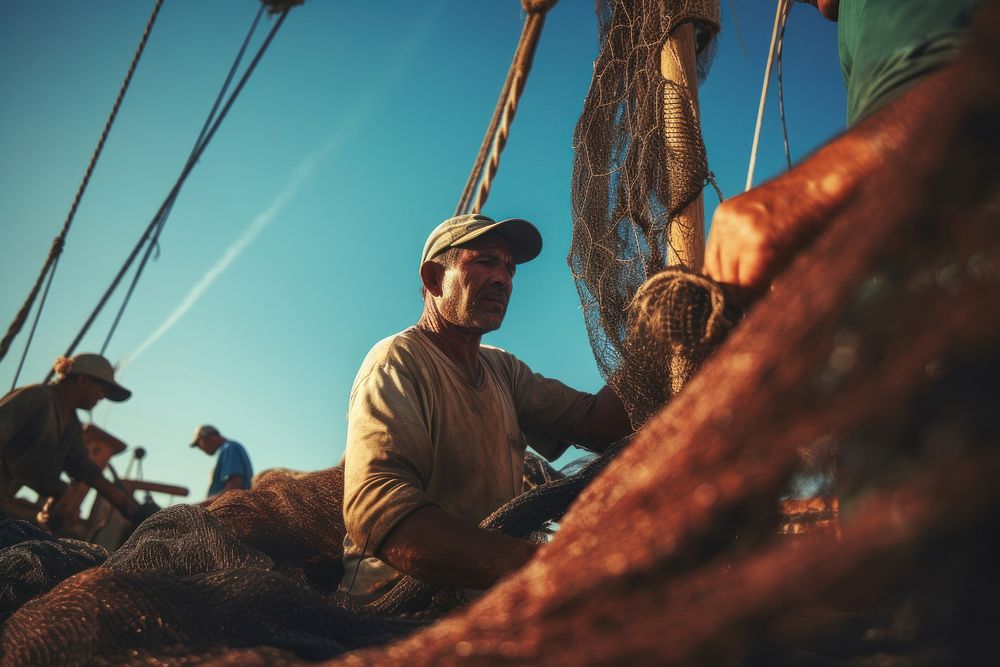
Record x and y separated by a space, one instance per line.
59 241
781 88
177 186
164 212
498 130
781 10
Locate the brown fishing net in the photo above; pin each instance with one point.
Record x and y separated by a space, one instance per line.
295 518
880 344
639 161
883 338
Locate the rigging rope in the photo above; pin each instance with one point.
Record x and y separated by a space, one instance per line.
503 114
164 213
781 87
781 10
177 186
59 241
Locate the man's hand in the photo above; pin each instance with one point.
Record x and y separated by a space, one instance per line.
756 234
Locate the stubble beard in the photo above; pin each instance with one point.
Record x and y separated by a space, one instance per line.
469 316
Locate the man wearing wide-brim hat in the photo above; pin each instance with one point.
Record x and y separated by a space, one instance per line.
438 423
41 436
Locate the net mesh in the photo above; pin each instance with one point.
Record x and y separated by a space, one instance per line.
884 343
639 161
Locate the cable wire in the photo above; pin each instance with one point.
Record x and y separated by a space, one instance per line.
59 242
177 186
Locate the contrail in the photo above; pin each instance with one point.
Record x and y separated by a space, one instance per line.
235 250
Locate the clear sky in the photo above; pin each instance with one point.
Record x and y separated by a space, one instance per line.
294 245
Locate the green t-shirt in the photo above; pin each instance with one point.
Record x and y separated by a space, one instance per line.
887 46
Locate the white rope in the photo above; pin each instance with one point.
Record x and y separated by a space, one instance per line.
780 13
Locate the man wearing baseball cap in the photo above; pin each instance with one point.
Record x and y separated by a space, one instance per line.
233 469
41 436
438 423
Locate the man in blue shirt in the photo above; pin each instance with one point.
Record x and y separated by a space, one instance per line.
233 470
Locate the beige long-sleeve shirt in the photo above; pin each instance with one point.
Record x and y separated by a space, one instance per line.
420 433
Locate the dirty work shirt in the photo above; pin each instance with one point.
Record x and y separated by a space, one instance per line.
887 46
419 433
233 460
35 447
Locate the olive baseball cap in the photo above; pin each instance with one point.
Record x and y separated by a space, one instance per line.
97 367
523 237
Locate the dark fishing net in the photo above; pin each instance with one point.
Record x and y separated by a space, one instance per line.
183 588
295 518
639 161
32 562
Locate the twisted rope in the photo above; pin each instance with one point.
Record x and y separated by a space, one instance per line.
164 212
59 242
177 186
498 130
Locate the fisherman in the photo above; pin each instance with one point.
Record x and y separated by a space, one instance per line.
438 423
41 436
894 56
233 469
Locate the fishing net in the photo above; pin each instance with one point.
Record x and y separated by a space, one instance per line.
669 552
639 162
884 341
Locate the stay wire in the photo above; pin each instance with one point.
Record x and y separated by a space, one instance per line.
164 213
177 186
34 324
58 243
781 86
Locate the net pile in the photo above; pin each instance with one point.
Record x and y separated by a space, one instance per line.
180 589
885 342
294 518
639 161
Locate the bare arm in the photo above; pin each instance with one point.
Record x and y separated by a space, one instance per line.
436 547
606 423
122 501
756 234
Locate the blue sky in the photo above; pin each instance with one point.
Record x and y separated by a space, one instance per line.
293 247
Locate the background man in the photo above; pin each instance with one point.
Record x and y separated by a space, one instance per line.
894 56
233 469
41 436
438 423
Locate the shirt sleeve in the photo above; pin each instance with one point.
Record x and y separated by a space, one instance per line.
547 409
388 462
28 453
78 463
232 462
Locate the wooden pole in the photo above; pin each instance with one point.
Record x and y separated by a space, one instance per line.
687 229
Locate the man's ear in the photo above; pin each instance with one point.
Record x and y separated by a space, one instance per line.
432 276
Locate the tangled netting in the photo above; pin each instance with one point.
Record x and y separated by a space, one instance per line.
639 161
257 568
880 342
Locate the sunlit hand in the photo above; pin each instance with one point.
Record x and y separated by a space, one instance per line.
754 235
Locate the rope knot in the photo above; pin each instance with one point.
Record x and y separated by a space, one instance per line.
538 6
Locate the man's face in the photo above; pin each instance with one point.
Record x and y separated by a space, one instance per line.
91 391
476 288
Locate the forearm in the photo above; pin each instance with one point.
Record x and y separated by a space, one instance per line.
754 235
121 500
436 547
604 424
